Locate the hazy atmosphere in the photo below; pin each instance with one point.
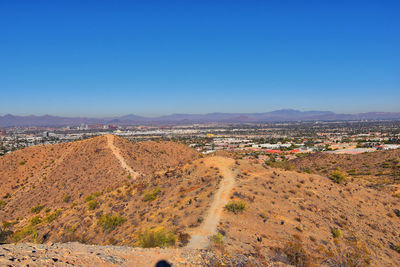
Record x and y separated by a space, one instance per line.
108 58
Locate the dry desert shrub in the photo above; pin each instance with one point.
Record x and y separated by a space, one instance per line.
156 238
236 206
296 254
338 177
37 208
150 196
109 222
352 254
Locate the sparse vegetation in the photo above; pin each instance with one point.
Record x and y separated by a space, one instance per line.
296 253
92 204
35 220
109 222
236 206
397 247
89 198
2 204
7 224
51 217
171 203
353 253
21 234
217 239
338 177
156 238
96 194
336 232
150 196
37 208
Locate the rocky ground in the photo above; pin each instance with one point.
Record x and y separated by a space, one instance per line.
76 254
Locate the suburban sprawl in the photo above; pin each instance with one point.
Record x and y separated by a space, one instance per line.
264 142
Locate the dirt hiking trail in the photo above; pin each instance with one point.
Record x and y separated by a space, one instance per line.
117 154
200 236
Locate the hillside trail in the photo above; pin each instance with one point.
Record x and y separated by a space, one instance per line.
117 153
200 236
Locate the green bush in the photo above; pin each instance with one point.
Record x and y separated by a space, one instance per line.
109 222
92 204
2 204
92 196
89 198
307 170
351 172
51 217
17 236
338 177
336 232
217 239
96 194
35 220
7 224
236 206
37 209
150 196
156 238
22 162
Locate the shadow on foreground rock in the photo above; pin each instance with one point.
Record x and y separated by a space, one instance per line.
163 263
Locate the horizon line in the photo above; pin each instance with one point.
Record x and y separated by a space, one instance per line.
183 113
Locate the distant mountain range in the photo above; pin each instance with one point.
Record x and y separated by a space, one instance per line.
284 115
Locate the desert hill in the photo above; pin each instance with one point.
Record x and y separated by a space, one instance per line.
50 175
109 191
379 169
311 220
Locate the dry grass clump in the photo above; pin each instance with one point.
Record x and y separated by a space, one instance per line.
51 217
236 206
336 232
37 208
296 254
92 204
353 254
2 204
217 239
92 201
150 196
156 238
338 177
109 222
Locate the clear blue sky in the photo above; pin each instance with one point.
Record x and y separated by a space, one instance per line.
101 58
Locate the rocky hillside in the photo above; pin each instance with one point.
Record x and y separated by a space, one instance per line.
308 219
108 191
69 187
379 169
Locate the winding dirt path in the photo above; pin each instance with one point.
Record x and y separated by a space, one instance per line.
200 236
117 154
